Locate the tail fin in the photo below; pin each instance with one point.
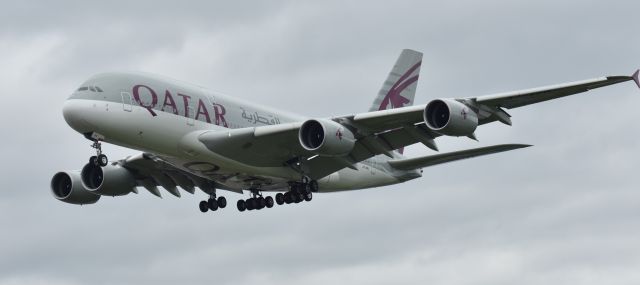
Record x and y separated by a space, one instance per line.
399 88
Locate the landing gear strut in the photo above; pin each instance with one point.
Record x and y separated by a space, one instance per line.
213 203
256 202
99 159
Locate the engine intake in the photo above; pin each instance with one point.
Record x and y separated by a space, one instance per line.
111 180
450 117
67 187
326 138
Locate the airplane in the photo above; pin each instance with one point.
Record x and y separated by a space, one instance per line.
191 137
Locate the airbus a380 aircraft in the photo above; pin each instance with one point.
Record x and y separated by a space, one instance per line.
192 137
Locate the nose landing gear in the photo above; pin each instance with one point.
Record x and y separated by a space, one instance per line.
99 159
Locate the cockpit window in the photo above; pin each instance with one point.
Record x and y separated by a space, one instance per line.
90 88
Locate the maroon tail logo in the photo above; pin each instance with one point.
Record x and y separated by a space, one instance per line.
393 97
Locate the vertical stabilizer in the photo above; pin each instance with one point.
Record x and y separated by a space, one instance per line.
399 89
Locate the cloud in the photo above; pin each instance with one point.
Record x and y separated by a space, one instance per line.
564 211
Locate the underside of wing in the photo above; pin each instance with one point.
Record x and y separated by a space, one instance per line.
430 160
151 172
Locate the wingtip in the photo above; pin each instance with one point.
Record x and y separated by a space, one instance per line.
635 77
522 145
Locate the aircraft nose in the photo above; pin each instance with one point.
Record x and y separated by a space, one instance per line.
73 113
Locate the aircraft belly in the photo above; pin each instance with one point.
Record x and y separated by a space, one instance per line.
350 179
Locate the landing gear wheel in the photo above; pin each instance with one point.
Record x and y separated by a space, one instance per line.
288 198
308 196
313 186
269 201
203 206
222 202
241 205
212 204
94 160
103 160
261 203
280 198
297 197
251 203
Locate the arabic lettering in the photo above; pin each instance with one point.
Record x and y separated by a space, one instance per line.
255 118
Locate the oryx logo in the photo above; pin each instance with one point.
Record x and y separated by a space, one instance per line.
393 97
464 113
339 133
202 167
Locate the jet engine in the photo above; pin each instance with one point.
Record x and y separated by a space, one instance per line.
450 117
110 180
66 186
326 138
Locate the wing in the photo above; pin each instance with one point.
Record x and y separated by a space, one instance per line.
379 132
151 172
430 160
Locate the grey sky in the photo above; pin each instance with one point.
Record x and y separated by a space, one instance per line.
566 211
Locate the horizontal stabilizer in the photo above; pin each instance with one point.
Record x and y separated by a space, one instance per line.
424 161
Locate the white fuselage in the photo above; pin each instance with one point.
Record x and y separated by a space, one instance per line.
163 117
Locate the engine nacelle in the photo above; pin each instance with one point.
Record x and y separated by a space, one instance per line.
450 117
66 186
111 180
326 138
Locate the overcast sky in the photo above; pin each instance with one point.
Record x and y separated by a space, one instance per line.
566 211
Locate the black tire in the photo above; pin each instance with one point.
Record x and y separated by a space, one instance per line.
288 198
251 204
313 185
308 197
222 202
269 201
103 160
280 198
94 161
261 203
212 204
203 206
241 205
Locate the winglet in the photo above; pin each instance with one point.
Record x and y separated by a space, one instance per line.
635 77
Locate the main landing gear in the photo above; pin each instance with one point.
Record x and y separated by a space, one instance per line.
299 191
256 202
213 203
99 159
